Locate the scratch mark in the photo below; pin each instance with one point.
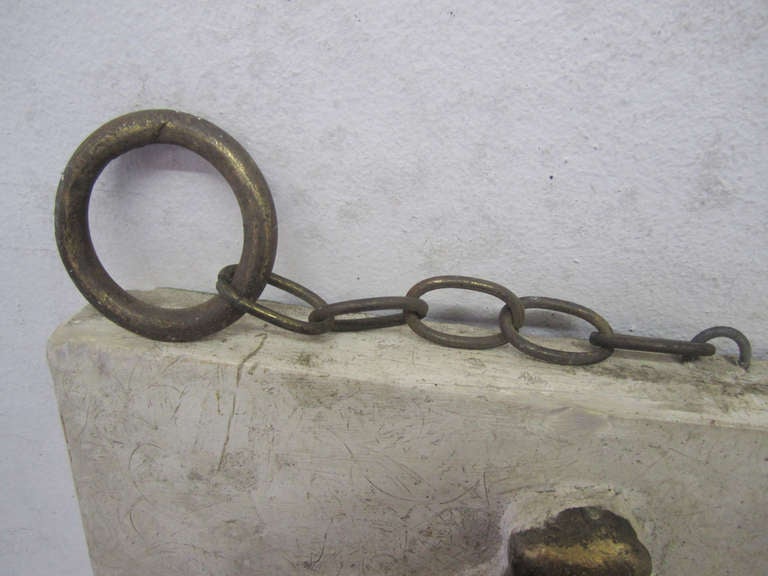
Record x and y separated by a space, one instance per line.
133 524
178 545
120 383
351 455
648 469
219 502
262 339
130 517
131 471
407 516
133 453
681 453
400 483
467 491
229 428
76 440
310 564
271 450
485 489
164 386
418 478
169 365
390 494
131 375
178 404
332 432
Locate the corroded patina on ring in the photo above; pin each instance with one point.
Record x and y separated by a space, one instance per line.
238 169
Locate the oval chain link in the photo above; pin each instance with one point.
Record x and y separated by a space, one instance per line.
331 311
658 345
511 302
224 287
551 354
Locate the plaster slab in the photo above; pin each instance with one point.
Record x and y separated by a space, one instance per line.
258 451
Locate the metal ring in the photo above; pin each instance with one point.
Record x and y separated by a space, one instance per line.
511 302
224 286
235 165
550 354
646 344
745 348
409 305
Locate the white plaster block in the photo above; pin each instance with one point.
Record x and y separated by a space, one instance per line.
261 452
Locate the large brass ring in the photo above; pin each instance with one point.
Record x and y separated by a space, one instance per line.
235 165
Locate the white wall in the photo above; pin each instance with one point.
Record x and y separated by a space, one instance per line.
609 153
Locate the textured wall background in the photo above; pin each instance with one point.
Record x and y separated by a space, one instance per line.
609 153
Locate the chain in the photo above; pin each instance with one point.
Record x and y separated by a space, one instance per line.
240 285
324 318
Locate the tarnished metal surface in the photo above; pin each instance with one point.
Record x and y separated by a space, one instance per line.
240 285
224 286
646 344
235 165
407 304
550 354
745 348
466 283
588 541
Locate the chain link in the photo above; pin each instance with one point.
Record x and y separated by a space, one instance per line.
683 348
466 283
239 286
550 354
409 305
225 289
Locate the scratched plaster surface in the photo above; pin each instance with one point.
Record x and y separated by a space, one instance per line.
261 452
608 152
